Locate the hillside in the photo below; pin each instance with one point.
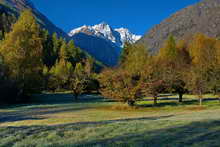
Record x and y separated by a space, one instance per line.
99 48
202 17
16 6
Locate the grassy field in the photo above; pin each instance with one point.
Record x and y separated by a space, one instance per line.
56 120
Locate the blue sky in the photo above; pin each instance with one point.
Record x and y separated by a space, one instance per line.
136 15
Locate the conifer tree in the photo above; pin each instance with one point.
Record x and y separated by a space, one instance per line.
56 45
173 59
125 52
169 50
63 54
62 71
22 52
134 58
74 53
49 56
203 53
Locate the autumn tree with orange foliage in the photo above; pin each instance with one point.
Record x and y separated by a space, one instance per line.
120 85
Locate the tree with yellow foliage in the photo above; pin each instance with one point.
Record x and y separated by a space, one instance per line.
204 61
22 53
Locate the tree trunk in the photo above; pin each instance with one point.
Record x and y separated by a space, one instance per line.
76 96
200 101
219 97
180 97
155 100
131 103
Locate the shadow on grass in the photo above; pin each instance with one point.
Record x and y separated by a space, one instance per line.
79 125
48 104
35 113
65 98
174 102
205 133
12 118
54 99
201 134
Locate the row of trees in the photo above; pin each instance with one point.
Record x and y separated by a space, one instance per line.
186 66
31 60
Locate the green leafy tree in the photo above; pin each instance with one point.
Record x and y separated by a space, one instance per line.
60 75
78 80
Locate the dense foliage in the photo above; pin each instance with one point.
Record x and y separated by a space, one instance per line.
32 60
185 66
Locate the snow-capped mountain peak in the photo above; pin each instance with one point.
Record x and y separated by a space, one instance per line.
127 36
102 27
105 31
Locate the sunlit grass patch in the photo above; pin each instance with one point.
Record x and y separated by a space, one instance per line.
94 121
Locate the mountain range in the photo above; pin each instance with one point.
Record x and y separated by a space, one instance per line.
102 41
103 30
105 43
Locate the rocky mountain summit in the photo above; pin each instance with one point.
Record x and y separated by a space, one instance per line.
103 30
202 17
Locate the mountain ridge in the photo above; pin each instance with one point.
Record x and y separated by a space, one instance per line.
202 17
103 30
19 5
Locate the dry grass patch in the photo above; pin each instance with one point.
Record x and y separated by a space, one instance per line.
196 108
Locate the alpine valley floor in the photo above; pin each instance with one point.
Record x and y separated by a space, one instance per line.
56 120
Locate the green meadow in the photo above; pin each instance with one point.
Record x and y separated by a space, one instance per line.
57 120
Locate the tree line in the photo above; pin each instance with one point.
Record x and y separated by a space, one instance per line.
185 66
32 60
